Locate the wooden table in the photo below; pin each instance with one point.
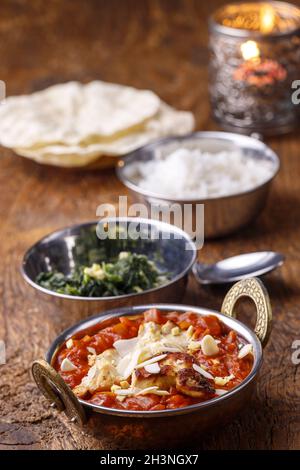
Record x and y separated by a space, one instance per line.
161 45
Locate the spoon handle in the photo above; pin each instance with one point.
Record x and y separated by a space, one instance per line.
255 290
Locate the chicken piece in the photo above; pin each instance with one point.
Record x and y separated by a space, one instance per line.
175 370
101 375
143 380
191 383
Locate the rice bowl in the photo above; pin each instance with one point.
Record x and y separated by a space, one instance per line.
223 214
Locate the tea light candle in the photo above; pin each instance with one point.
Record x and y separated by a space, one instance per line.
255 57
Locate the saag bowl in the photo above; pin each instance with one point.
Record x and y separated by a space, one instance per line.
170 248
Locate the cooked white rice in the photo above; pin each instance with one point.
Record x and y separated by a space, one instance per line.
193 174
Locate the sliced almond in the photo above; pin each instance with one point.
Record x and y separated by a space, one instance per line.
203 372
223 380
245 350
153 390
161 392
190 331
147 390
125 392
172 349
69 343
128 363
220 392
209 346
151 361
67 365
92 350
125 346
153 368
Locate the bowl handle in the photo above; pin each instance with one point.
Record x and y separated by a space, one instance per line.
57 391
255 290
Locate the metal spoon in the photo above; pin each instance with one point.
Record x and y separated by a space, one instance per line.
238 267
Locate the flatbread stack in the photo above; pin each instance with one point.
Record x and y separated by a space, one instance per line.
74 125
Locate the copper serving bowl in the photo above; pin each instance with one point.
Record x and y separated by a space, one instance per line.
71 246
166 428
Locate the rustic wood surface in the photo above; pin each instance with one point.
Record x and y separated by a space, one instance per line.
161 45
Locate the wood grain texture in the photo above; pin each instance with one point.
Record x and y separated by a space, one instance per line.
161 45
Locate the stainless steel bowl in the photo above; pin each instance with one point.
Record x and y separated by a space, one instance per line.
170 247
167 428
223 215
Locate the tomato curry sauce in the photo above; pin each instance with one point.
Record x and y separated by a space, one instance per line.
195 358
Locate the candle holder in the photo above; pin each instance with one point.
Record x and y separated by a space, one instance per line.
255 57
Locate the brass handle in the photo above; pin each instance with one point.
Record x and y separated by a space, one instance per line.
255 290
53 387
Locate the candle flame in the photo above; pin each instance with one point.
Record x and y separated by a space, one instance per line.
267 19
250 50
